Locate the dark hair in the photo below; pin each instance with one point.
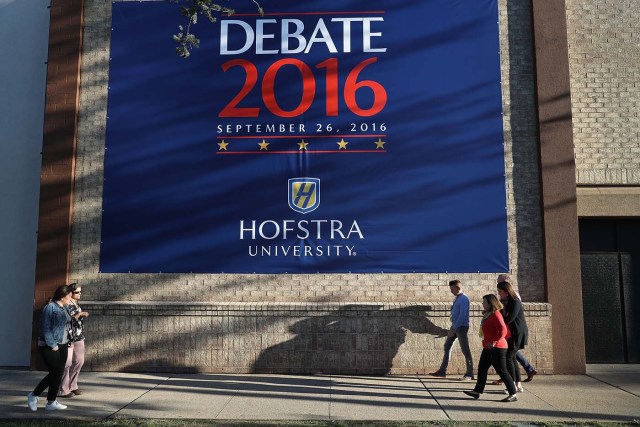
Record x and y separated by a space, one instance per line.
73 287
508 288
61 292
457 283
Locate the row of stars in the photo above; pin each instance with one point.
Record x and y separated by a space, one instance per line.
303 145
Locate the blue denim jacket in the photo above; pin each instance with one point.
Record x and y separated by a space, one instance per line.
54 325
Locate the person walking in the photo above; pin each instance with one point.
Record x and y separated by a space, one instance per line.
459 330
75 357
528 367
53 340
494 349
513 313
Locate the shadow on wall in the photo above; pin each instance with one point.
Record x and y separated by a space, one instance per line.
356 339
521 110
159 365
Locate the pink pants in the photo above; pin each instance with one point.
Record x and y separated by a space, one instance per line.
75 360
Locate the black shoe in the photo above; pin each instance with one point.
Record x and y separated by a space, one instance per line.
439 374
472 393
530 375
510 398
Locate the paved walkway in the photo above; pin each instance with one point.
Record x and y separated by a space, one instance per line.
604 394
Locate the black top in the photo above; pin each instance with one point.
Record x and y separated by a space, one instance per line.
513 313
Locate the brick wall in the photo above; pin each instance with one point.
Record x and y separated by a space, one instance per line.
59 143
521 148
110 349
288 338
604 57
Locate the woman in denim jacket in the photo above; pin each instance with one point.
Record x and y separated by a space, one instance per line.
53 344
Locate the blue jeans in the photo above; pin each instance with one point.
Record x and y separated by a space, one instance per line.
461 336
524 362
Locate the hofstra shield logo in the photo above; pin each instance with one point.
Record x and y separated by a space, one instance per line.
304 194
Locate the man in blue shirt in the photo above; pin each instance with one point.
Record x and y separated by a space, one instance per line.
459 330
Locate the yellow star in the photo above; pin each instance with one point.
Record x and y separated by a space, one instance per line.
223 145
263 145
380 144
303 145
342 145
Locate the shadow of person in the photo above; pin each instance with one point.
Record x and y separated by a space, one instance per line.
159 365
355 339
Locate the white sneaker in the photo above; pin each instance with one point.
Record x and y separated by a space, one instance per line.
32 401
55 405
510 398
520 389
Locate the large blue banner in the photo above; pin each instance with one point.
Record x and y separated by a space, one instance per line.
324 136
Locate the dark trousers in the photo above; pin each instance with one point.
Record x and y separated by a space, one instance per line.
55 361
512 366
496 357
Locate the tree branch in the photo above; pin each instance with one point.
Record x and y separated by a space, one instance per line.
185 39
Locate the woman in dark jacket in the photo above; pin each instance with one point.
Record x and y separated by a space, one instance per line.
513 313
53 343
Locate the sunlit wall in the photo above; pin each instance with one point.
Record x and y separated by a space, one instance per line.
24 33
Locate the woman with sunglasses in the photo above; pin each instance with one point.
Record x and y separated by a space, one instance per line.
75 357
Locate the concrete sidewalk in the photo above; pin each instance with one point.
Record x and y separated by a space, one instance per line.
604 394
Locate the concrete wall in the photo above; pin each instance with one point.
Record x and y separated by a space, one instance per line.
138 317
24 33
604 56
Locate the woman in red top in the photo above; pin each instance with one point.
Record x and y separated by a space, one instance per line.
494 349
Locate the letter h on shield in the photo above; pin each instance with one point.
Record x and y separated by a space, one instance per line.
304 194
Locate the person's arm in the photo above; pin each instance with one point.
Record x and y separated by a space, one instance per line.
512 310
77 312
495 330
503 329
47 327
460 307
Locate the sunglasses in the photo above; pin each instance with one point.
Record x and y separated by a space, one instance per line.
77 292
